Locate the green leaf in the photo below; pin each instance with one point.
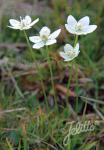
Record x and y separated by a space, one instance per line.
9 145
19 146
88 146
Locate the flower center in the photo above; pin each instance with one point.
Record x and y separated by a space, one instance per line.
44 37
71 53
79 27
23 22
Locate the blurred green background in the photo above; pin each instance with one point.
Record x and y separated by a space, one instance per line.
23 128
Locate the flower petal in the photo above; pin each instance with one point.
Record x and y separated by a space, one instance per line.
45 31
38 45
71 20
91 28
55 34
50 42
84 21
69 59
66 57
80 32
14 27
35 39
28 19
34 22
63 55
14 23
67 48
25 28
70 29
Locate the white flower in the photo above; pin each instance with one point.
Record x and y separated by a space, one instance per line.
81 27
70 52
45 38
24 23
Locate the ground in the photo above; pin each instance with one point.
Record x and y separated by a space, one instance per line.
28 121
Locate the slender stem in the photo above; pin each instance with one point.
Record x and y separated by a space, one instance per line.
70 73
33 57
76 40
68 85
76 89
28 43
51 73
12 110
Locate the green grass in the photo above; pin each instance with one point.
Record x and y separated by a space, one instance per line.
25 122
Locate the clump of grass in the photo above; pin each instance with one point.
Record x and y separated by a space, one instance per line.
25 122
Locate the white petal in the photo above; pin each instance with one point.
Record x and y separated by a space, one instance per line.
71 20
80 32
14 27
34 22
38 45
50 42
63 55
91 28
69 59
45 31
28 19
55 34
35 39
25 28
84 21
68 47
70 29
14 23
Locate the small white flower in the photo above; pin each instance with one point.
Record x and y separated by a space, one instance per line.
70 52
81 27
45 38
24 23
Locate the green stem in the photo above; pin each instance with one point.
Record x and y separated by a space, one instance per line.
33 57
76 40
28 43
76 89
70 73
68 85
52 81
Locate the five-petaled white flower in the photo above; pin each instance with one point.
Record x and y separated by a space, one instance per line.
70 52
81 27
24 23
45 38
